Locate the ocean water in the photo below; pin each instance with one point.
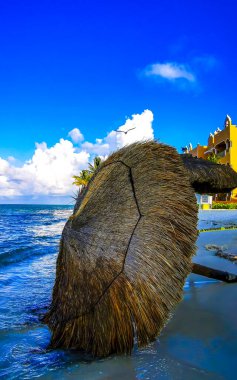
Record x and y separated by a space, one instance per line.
199 342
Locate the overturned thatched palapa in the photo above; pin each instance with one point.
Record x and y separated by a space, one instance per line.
125 252
208 177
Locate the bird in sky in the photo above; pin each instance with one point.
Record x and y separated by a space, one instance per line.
125 131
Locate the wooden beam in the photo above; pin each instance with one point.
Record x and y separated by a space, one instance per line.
214 273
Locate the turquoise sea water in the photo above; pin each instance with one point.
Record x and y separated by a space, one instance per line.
199 342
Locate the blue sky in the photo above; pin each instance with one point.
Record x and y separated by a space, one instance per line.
90 65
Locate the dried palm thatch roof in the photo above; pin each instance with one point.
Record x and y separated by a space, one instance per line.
208 177
125 252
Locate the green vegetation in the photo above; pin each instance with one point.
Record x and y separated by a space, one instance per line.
213 158
230 206
96 164
86 175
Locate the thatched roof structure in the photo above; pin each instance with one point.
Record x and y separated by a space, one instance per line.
125 252
208 177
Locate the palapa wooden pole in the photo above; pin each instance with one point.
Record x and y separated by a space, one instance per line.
214 273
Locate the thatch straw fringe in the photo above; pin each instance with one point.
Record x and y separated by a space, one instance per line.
208 177
125 253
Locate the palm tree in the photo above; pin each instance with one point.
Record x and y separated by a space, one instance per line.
96 164
85 175
82 179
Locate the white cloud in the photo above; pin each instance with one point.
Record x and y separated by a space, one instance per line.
50 170
99 148
76 135
170 71
4 165
138 128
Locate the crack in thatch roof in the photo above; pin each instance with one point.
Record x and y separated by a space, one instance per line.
140 216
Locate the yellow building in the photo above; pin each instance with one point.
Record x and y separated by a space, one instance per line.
222 143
